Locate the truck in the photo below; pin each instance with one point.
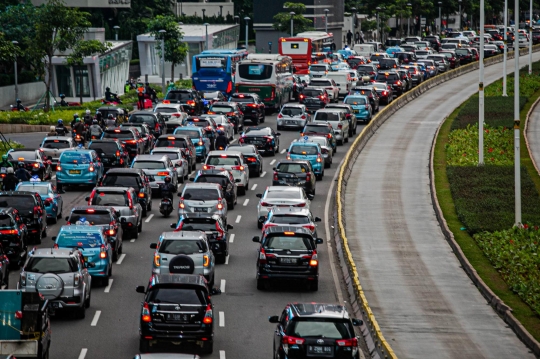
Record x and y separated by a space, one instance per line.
25 327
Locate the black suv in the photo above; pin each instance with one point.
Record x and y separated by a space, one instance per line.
131 177
370 92
34 161
287 253
190 99
307 330
180 141
214 227
392 78
222 177
32 210
232 111
111 152
144 131
129 137
154 120
295 173
177 308
264 138
314 98
387 64
406 57
13 236
251 105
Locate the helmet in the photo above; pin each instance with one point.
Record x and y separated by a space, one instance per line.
107 89
60 122
10 170
95 122
220 132
75 115
87 112
167 179
4 157
62 96
19 101
110 116
21 164
52 128
77 120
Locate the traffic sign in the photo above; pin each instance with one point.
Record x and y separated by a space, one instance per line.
422 21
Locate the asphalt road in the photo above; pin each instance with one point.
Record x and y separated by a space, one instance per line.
110 329
424 302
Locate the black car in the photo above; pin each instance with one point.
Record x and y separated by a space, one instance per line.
129 137
287 253
209 97
308 330
251 105
180 141
295 173
321 129
145 132
131 177
367 70
34 161
222 177
298 87
177 308
189 98
384 91
154 120
232 111
314 98
13 237
405 77
214 227
116 111
406 57
392 78
251 155
435 41
370 92
264 138
31 209
4 268
208 125
111 152
387 64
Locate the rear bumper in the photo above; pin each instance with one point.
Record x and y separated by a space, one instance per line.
153 335
291 123
101 269
86 178
304 275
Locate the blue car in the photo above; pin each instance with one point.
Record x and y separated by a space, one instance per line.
392 51
198 137
308 151
54 204
92 242
361 106
80 166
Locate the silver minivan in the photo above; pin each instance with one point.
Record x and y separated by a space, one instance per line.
339 123
204 197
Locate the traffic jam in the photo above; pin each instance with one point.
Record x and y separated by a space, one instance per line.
210 179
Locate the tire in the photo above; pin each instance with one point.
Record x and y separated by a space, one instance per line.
263 116
208 348
230 205
139 227
80 313
259 225
44 233
149 206
144 211
6 280
54 220
327 165
340 143
314 286
220 259
255 122
144 347
261 285
273 153
46 354
319 177
39 238
347 139
87 301
242 191
134 234
356 128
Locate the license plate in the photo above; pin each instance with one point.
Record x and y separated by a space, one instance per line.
198 209
105 160
289 260
291 122
316 349
75 172
178 317
356 111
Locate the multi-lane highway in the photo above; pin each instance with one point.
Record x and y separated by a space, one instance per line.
110 329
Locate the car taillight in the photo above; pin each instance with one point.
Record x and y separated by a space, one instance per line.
302 96
141 195
230 113
219 205
319 158
103 252
36 165
36 212
276 176
384 93
308 177
301 205
58 168
251 159
176 115
398 82
311 227
111 232
163 173
321 97
238 168
208 167
340 126
266 204
76 279
91 169
146 317
352 342
268 139
314 261
280 116
221 233
9 231
208 315
200 143
181 205
241 140
288 340
130 200
191 103
303 117
288 155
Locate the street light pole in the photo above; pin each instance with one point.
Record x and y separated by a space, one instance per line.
505 46
203 11
16 80
246 19
162 32
116 28
440 18
292 22
378 8
481 90
517 173
460 27
409 6
236 17
530 36
326 20
353 18
206 39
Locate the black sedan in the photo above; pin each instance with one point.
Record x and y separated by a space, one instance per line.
264 138
386 95
34 161
252 156
222 177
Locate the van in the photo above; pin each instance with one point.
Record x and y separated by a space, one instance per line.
364 49
318 70
342 80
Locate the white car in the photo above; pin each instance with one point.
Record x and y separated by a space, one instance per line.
233 161
223 124
176 155
172 114
293 115
329 85
159 167
281 196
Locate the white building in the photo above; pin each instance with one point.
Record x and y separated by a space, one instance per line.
197 38
223 8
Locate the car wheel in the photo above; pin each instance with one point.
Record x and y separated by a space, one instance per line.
273 152
256 122
87 301
259 225
242 190
319 177
80 313
54 220
326 165
220 259
263 116
6 280
149 206
134 233
261 284
347 139
340 142
231 205
144 346
208 348
144 212
139 227
356 128
314 286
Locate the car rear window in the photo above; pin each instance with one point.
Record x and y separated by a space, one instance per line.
6 221
389 77
180 246
212 179
186 132
176 143
122 180
171 155
283 194
320 328
22 156
223 161
110 199
119 134
312 93
289 219
176 295
320 83
74 157
102 147
42 190
79 240
222 109
289 243
355 101
292 167
25 204
207 225
326 116
200 194
87 218
317 68
317 129
142 119
166 110
303 150
50 265
245 99
59 144
291 111
149 165
179 96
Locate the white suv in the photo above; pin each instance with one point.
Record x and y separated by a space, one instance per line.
329 85
233 161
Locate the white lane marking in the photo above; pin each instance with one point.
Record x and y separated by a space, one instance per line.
83 353
246 202
238 219
222 286
231 238
121 258
283 151
133 240
227 260
221 319
108 287
149 218
53 177
96 318
263 174
222 354
233 141
273 161
253 187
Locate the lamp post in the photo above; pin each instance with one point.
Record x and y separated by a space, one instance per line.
220 10
530 36
409 6
292 22
517 174
236 17
203 11
481 90
353 18
246 19
206 38
162 32
15 66
460 27
440 18
505 46
326 11
378 8
116 28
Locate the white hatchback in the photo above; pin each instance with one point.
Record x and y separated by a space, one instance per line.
233 161
281 196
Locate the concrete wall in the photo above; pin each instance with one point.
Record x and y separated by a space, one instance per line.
28 94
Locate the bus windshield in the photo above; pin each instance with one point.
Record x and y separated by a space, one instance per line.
255 72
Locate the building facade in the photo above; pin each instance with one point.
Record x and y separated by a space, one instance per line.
211 8
264 11
91 3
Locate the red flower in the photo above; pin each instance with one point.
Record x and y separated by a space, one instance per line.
526 226
464 154
511 241
490 150
487 131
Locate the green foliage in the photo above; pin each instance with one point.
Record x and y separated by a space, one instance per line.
498 111
515 254
282 20
134 62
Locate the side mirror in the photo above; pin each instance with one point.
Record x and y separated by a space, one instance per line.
123 220
90 265
140 289
229 226
310 197
258 195
54 238
215 291
274 168
192 179
237 180
256 239
173 225
317 219
153 245
319 241
179 194
273 319
357 322
87 198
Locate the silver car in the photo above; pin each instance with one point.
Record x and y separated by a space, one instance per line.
53 146
207 198
173 115
223 124
178 159
184 252
158 166
293 115
57 265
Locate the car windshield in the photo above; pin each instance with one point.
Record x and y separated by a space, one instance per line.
258 132
166 110
89 218
288 243
79 239
200 194
42 190
139 118
176 295
6 221
59 144
320 83
171 155
185 132
177 143
291 111
326 116
207 226
25 204
292 168
149 165
223 161
118 180
212 179
317 68
110 199
320 328
222 109
180 246
289 219
317 129
50 265
312 93
283 194
103 147
355 101
303 150
119 134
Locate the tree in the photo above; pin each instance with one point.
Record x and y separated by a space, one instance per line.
175 49
7 49
282 20
83 49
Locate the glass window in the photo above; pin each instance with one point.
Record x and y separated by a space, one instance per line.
320 328
303 150
42 190
96 218
50 265
164 142
81 74
25 204
198 194
22 156
289 243
283 194
179 246
186 132
6 221
110 199
119 135
291 111
255 71
150 165
292 167
355 101
103 147
312 93
223 161
173 295
289 219
222 109
79 239
317 129
117 180
74 157
171 155
63 77
213 179
326 116
55 144
179 96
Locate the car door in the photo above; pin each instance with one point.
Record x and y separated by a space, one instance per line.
279 332
276 137
57 198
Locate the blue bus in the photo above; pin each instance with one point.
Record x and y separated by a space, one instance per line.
213 70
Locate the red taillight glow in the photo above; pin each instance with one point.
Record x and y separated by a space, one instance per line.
208 315
219 205
163 173
352 342
146 314
9 231
292 340
238 168
276 176
280 116
91 169
208 167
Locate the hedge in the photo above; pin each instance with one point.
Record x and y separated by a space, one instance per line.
498 111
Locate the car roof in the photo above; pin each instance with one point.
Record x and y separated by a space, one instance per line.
65 138
125 170
191 279
52 252
157 158
283 189
81 228
301 142
290 211
96 208
227 152
193 235
111 189
166 149
319 310
202 185
40 183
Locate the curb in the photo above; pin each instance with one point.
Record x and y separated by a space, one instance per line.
356 292
526 129
20 128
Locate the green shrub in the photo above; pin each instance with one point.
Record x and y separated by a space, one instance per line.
528 84
484 197
498 111
183 84
134 62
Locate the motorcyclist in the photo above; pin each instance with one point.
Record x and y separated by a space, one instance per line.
60 129
22 174
19 106
5 162
52 131
95 130
62 100
167 189
111 96
88 120
221 140
10 181
150 92
75 117
110 122
99 118
78 129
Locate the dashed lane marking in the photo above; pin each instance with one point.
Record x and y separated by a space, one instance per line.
273 161
84 351
221 319
246 202
96 318
121 258
109 285
222 286
149 218
263 174
238 219
282 151
227 260
222 354
133 240
253 187
231 238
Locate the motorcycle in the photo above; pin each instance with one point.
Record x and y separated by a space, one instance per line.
166 206
79 140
